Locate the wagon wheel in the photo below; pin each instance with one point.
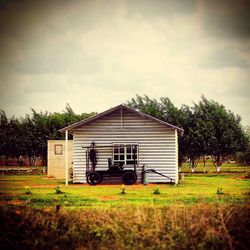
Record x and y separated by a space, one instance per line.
93 178
129 178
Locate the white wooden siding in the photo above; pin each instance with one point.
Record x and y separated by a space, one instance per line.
157 144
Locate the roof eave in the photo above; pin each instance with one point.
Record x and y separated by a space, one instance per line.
92 118
154 118
87 120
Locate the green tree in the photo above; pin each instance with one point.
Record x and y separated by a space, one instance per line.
148 106
9 137
28 136
209 129
222 132
165 110
3 133
40 127
190 143
244 157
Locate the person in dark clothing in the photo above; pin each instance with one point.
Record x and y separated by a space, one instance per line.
93 156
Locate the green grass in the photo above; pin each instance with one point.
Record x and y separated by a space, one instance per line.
226 167
193 189
205 211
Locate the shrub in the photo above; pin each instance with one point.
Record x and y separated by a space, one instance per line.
123 189
27 190
156 190
219 190
58 190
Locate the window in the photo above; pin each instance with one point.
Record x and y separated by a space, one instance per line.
124 153
58 149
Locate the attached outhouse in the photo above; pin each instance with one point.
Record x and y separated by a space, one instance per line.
114 133
56 158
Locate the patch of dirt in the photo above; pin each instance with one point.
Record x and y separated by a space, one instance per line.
56 184
245 177
48 209
13 202
43 186
108 198
5 194
25 183
127 186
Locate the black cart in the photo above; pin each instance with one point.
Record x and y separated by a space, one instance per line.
127 175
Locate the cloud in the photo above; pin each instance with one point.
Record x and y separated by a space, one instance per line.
97 54
226 56
228 19
160 8
57 63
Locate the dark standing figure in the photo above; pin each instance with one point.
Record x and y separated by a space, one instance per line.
92 156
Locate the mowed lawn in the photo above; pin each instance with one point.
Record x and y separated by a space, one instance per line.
195 188
210 168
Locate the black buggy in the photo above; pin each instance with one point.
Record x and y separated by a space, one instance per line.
118 169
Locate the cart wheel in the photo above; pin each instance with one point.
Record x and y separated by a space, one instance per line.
129 178
93 178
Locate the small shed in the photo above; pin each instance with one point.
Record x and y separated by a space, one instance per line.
56 158
119 127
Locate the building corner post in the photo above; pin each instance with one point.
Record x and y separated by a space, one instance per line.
66 158
176 158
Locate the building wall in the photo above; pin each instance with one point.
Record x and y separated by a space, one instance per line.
157 144
56 158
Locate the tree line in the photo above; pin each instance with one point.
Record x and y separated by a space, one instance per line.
209 130
28 136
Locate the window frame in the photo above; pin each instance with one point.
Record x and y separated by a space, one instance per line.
57 151
124 153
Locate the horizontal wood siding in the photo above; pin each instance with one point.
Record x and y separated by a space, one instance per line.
157 143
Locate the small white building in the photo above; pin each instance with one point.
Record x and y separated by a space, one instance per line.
56 158
122 126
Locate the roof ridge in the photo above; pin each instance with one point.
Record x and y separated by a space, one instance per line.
97 116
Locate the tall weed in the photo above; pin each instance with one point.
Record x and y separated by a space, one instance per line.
202 226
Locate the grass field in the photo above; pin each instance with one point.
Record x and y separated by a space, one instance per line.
204 211
193 189
209 167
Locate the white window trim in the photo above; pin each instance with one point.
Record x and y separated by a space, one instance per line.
125 152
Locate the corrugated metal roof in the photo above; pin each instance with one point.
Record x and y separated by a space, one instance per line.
121 106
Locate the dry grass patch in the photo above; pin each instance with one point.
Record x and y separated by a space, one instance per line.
203 226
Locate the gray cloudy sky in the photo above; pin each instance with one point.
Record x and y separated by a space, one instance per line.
97 54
